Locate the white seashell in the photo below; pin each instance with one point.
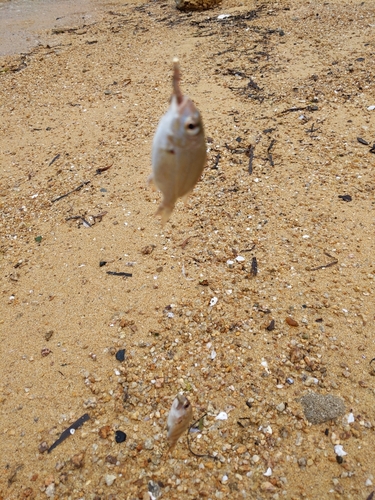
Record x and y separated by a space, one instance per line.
178 150
213 301
179 419
339 450
222 416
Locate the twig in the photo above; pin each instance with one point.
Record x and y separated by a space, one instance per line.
126 275
250 154
99 216
54 159
248 249
300 108
269 155
70 192
102 169
335 261
76 217
216 162
254 266
188 442
12 477
185 242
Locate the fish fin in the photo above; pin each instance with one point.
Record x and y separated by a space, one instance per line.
151 182
185 197
165 212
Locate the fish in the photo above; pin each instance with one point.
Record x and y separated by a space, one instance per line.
179 419
178 149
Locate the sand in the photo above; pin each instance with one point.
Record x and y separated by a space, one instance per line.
285 90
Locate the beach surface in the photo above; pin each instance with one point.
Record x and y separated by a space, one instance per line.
257 293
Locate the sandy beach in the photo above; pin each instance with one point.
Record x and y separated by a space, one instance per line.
257 293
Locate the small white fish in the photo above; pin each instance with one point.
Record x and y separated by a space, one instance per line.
179 418
178 150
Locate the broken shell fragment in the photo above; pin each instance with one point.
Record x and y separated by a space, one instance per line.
179 418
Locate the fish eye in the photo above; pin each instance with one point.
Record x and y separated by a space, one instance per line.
192 128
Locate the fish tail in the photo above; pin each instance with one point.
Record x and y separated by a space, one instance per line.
150 182
176 81
165 212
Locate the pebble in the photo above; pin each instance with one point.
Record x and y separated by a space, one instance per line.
241 449
154 490
50 490
109 479
43 447
280 407
120 436
105 431
77 460
149 444
120 355
319 408
291 322
311 381
267 486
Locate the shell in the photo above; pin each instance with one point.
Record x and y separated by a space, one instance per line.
179 419
178 150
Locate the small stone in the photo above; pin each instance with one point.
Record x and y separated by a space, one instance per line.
109 479
120 436
310 381
43 447
110 459
77 460
154 489
48 335
105 431
267 486
148 249
318 408
120 355
241 449
291 322
255 458
280 407
149 444
302 462
50 490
